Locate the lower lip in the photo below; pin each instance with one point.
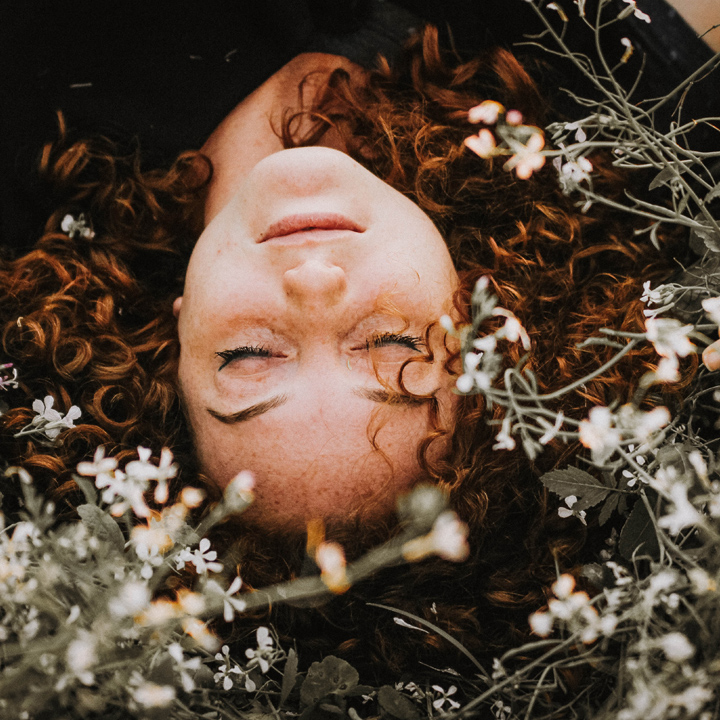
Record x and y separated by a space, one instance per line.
319 227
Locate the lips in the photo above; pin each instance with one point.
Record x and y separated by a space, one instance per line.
315 223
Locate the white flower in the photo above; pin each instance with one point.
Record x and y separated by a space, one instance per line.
684 514
26 534
439 702
702 582
239 493
81 655
642 424
580 136
151 557
527 158
649 296
448 537
48 421
142 471
76 228
676 647
330 558
668 369
633 9
6 382
465 383
712 307
130 491
152 695
99 467
699 465
191 497
608 623
486 112
482 144
501 711
202 558
504 441
541 623
133 598
485 344
183 666
230 604
669 337
512 330
230 668
198 631
264 654
598 434
513 117
575 171
451 537
693 699
565 584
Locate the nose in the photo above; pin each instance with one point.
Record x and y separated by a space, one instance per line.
314 282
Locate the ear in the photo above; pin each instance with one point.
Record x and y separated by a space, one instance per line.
176 306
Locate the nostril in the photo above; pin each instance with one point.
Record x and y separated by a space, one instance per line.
315 279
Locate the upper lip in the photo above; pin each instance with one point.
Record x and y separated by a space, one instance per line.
309 221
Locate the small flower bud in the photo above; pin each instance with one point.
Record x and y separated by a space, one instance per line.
239 493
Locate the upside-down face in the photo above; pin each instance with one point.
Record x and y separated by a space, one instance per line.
312 277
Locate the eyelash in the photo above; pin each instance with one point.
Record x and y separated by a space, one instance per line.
387 338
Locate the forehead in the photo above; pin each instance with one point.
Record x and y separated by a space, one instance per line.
316 459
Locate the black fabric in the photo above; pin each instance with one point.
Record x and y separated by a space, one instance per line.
666 50
166 72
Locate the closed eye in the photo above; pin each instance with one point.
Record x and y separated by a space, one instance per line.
380 340
242 352
390 338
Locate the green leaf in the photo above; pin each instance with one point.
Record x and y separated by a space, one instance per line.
332 675
638 536
715 192
394 705
88 489
102 526
609 507
703 237
587 489
289 676
666 174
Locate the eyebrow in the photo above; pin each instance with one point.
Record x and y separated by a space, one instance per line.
378 396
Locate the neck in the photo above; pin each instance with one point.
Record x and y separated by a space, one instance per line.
251 132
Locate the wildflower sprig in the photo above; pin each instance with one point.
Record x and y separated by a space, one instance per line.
47 425
84 605
656 582
628 130
522 143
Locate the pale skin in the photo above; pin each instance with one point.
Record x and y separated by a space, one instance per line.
703 16
302 319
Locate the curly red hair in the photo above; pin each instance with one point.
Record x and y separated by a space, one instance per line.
89 321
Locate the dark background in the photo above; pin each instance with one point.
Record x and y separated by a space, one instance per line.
165 72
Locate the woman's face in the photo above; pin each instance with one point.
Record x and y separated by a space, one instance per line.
294 289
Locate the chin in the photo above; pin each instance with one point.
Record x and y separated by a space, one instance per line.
356 519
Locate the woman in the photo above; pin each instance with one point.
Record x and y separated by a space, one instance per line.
296 234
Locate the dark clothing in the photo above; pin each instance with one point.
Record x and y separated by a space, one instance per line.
166 72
